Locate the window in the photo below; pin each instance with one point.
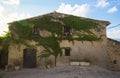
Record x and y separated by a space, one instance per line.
99 31
36 30
114 62
66 31
67 52
114 43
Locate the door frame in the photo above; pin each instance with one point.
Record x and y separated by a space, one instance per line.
29 58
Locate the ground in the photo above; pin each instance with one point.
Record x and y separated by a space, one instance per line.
63 72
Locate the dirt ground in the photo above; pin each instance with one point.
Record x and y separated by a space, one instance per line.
62 72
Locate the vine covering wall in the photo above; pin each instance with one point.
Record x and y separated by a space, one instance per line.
22 30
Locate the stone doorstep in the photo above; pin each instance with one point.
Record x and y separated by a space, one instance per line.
84 63
80 63
74 63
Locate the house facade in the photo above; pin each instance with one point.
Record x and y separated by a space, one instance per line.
113 54
75 38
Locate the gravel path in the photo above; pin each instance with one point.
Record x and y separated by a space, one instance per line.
62 72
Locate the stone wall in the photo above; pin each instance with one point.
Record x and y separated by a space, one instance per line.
113 55
16 52
94 52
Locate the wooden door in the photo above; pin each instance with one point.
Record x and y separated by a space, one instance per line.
3 59
29 58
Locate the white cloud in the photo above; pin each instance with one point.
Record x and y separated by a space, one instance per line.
115 34
10 18
6 15
102 3
2 9
112 10
3 26
17 16
78 10
12 2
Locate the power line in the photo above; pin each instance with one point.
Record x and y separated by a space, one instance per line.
118 25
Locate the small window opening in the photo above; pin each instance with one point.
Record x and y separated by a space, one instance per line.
114 62
36 31
98 30
67 52
66 31
114 43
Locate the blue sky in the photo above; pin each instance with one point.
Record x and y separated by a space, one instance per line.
11 10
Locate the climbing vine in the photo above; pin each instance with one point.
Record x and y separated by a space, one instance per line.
24 31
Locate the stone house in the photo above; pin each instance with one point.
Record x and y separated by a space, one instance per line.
64 27
113 54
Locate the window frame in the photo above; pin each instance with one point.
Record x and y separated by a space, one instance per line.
67 52
67 31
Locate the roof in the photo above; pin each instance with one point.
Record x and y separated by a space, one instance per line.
54 23
62 15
